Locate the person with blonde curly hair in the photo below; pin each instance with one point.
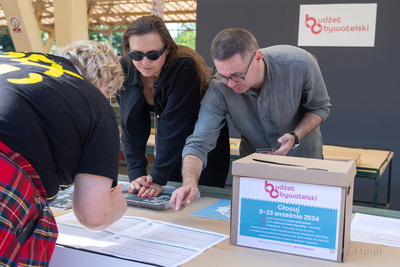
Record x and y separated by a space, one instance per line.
169 80
97 63
57 130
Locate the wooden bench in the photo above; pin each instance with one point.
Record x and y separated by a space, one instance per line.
371 164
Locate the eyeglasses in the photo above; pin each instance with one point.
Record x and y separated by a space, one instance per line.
151 56
221 78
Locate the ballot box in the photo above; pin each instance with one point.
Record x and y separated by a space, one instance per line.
292 205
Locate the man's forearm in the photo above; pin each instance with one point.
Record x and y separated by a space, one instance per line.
308 124
191 170
95 205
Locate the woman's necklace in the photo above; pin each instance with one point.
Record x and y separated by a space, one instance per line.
151 85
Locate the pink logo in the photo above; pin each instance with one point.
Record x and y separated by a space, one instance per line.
311 23
272 191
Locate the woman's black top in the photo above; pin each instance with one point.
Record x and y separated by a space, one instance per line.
176 103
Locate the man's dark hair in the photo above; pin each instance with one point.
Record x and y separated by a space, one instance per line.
232 41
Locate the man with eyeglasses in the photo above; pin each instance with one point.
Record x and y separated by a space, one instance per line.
275 96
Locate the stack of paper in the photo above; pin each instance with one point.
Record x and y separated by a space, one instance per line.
139 239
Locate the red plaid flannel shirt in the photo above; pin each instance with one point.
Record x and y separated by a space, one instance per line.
23 198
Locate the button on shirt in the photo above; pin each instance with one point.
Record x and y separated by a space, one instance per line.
294 86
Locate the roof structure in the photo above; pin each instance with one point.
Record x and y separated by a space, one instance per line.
106 15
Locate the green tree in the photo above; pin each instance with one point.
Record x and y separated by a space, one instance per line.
105 38
117 39
45 37
98 36
6 44
187 35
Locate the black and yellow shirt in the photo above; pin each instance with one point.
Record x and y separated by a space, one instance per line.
60 122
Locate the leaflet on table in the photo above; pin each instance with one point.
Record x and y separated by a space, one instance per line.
375 229
220 210
289 217
139 239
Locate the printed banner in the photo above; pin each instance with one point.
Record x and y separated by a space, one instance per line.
295 218
157 8
337 25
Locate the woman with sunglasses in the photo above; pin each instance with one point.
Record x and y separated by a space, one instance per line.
169 80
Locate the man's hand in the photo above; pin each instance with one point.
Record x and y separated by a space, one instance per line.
287 142
308 124
185 193
191 170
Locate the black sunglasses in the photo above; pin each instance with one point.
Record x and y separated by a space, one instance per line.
151 56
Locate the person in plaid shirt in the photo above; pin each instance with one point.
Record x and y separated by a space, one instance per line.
57 129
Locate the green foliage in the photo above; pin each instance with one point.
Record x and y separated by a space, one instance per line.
98 37
6 44
115 39
45 37
187 35
116 42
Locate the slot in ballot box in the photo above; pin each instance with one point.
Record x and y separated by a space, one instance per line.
293 205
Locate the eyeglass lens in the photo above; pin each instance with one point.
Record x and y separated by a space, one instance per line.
236 78
225 79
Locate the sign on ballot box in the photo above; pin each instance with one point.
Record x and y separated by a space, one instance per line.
293 205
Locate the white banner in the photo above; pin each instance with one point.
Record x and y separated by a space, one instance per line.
337 25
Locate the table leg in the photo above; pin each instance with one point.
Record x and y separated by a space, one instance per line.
389 185
376 191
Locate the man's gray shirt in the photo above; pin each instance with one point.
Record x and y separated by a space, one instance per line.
294 86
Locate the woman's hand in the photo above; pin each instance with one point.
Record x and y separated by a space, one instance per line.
144 187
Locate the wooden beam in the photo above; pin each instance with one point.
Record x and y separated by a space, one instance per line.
136 14
70 21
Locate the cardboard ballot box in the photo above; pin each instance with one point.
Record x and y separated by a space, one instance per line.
294 205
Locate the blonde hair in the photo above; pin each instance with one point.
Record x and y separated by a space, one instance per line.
97 62
154 24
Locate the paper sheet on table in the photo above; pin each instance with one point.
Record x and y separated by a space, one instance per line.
139 239
375 229
220 210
